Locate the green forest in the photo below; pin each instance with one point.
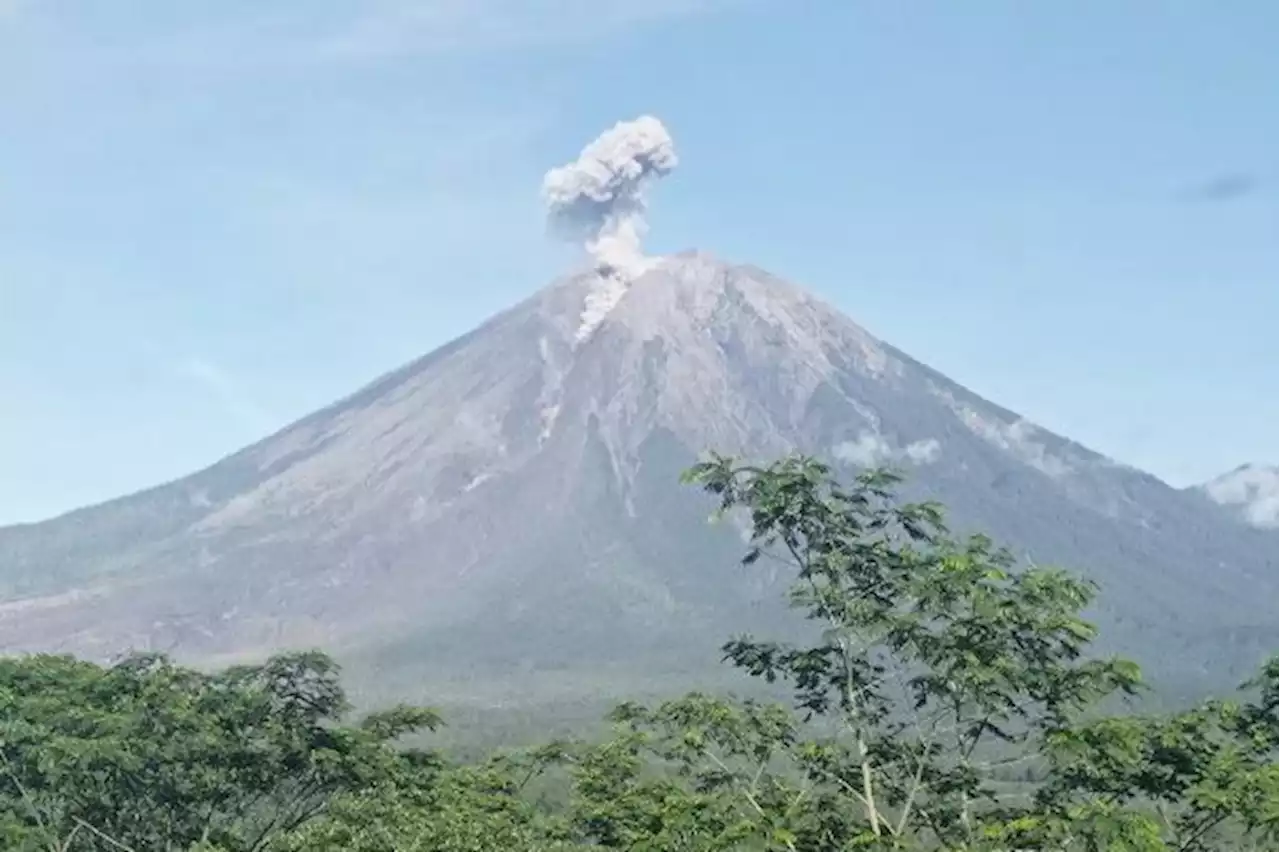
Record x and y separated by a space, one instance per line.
948 698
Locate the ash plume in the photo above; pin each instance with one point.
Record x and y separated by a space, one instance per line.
599 198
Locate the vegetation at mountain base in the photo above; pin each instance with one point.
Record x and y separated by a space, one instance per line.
944 699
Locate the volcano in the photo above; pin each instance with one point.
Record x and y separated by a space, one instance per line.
510 502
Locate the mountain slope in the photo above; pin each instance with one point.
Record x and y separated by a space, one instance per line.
509 502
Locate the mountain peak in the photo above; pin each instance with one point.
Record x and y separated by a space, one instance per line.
695 294
717 353
667 286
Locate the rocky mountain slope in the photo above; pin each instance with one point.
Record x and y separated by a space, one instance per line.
510 503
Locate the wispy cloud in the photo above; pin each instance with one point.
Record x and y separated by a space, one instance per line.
1254 489
229 393
1223 188
400 27
872 449
312 33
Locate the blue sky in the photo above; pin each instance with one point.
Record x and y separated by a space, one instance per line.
217 216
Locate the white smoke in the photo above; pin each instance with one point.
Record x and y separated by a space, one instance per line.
1255 489
599 198
872 449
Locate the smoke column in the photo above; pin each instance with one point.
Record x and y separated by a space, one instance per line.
599 198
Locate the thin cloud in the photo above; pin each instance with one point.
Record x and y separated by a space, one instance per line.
872 449
399 28
385 29
1223 188
229 393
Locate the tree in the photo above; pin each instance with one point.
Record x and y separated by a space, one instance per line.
697 774
937 661
459 809
1199 780
149 755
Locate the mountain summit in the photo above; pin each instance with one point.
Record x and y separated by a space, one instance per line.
510 501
